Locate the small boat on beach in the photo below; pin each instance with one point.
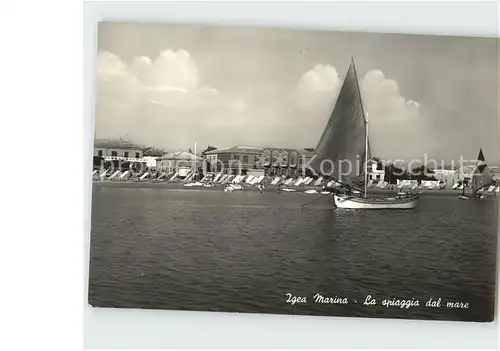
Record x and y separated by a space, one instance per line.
233 187
466 197
194 185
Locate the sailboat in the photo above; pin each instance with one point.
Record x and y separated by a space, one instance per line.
343 141
481 179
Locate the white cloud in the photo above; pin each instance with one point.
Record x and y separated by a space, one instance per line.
145 99
383 99
317 86
391 116
381 96
109 65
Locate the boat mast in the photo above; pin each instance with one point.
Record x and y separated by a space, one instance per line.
366 154
194 159
365 116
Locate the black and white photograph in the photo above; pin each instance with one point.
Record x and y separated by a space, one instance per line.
295 172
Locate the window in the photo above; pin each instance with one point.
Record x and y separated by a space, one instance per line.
114 153
237 157
245 159
137 155
125 154
99 153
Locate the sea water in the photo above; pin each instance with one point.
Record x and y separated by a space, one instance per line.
245 251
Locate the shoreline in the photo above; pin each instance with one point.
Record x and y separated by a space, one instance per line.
248 187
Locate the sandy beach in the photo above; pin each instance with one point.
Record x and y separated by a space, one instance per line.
246 187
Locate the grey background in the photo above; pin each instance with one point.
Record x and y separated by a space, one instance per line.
110 328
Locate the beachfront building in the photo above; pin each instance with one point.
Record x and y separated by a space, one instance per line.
241 160
284 161
376 171
181 162
117 148
120 154
448 176
152 156
151 162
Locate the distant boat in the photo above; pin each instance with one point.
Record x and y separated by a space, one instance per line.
233 187
481 180
345 138
194 184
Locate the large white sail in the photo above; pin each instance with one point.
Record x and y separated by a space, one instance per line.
341 152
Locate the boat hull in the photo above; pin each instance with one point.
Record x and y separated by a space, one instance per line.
466 197
353 202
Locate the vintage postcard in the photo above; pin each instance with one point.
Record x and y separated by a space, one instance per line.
282 171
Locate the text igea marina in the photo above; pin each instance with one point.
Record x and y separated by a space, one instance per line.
371 301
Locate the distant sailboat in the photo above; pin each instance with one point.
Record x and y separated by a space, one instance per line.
338 152
481 179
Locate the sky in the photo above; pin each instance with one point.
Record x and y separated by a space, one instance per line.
171 85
